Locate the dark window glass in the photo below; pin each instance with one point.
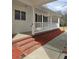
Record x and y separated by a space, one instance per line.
38 18
35 17
65 57
17 14
23 15
45 19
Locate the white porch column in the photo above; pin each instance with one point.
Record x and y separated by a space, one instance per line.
42 20
58 22
33 21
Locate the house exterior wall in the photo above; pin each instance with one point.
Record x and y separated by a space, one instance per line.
19 26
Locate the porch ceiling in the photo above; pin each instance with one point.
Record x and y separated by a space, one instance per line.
36 3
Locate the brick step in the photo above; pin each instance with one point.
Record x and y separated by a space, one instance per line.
23 42
27 45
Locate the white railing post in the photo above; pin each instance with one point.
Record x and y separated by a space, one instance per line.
42 20
58 22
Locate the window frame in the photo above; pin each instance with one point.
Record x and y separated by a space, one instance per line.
23 15
20 15
17 14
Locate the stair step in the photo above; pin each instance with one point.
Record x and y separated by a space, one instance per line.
28 45
23 42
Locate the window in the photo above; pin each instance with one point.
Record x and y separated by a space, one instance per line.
17 14
20 15
23 15
35 17
45 19
65 57
38 18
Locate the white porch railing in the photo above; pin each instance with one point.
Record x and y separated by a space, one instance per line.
39 26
